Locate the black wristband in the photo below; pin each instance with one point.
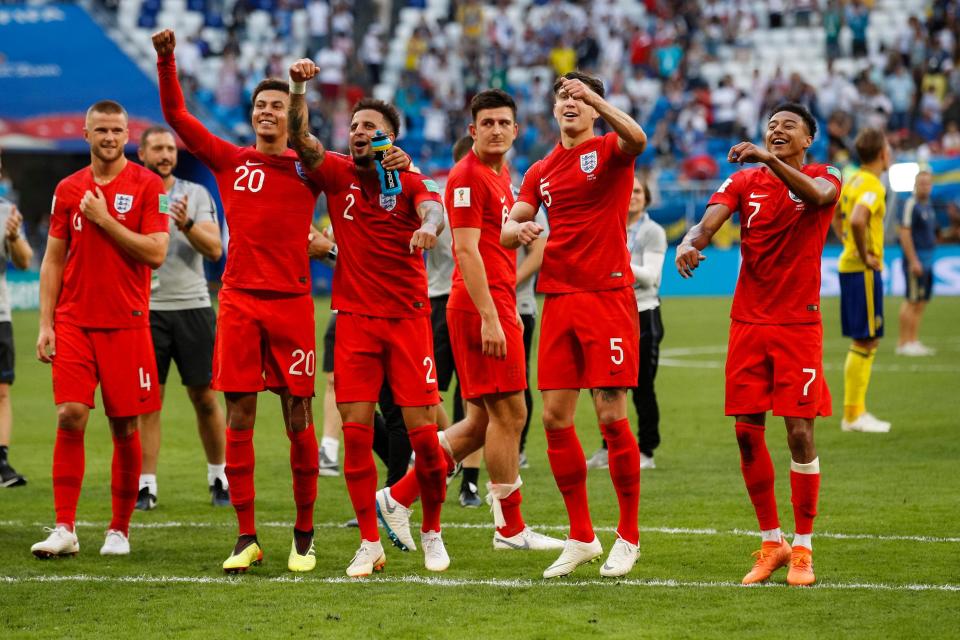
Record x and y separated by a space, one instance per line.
188 225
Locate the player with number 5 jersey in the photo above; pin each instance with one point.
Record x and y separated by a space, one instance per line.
590 334
775 353
383 319
265 334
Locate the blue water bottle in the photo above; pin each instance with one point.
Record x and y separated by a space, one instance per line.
389 180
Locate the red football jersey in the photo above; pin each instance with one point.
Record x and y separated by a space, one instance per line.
268 202
103 286
477 197
586 191
781 243
377 275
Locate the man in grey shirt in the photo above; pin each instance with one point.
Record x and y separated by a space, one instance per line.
16 249
182 320
647 242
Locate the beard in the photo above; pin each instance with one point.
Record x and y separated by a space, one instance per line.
107 154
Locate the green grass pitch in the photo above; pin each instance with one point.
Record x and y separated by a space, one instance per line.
887 559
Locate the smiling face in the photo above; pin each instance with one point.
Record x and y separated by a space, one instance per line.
494 131
787 135
363 127
269 117
107 133
573 116
159 154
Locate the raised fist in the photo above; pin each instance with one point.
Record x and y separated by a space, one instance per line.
303 70
164 42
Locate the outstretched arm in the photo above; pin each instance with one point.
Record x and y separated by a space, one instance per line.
309 149
630 135
816 191
698 237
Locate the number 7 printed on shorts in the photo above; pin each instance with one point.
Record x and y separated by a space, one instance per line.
813 376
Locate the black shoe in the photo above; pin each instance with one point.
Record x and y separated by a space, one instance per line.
469 496
219 496
146 500
9 476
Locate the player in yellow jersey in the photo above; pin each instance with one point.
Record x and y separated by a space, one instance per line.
858 220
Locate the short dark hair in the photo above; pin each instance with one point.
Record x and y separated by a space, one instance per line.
595 84
800 110
869 144
492 99
387 110
155 129
462 147
270 84
109 107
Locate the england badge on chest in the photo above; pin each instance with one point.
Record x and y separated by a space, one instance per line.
588 162
122 204
388 202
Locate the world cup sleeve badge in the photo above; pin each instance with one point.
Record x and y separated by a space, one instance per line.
588 162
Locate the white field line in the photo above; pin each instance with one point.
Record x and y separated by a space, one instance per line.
677 531
465 582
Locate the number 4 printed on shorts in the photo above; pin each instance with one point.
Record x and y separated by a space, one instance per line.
145 382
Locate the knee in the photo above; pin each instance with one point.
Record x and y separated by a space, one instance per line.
4 393
553 419
71 417
204 401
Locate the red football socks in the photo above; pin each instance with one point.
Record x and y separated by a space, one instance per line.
360 472
570 471
624 456
68 467
431 470
406 489
304 463
125 479
757 468
805 490
240 464
511 513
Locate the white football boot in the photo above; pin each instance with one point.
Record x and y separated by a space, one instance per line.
60 542
575 553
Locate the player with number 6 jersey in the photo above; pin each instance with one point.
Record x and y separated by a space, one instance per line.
590 334
383 319
266 334
107 231
775 354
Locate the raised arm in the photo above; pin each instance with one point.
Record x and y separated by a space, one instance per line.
630 135
689 254
309 149
816 191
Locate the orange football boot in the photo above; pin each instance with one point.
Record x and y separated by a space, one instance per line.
800 573
770 557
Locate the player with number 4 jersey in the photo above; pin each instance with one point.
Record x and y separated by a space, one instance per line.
775 354
590 334
265 334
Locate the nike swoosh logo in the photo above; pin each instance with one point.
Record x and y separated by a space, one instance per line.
503 199
390 507
354 186
607 567
754 196
512 545
252 164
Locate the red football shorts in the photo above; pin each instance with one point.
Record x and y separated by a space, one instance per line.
264 341
121 360
482 375
779 367
589 340
398 349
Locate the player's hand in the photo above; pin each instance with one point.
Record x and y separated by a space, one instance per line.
577 90
747 152
424 238
688 259
873 262
12 232
916 269
528 231
46 345
318 245
94 207
494 340
396 159
178 209
164 42
303 70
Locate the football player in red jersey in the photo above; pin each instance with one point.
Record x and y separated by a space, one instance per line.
107 231
383 319
485 331
590 333
265 334
775 354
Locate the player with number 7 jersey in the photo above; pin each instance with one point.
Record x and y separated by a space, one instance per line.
266 334
775 352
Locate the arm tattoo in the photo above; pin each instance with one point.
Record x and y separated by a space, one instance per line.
432 212
307 146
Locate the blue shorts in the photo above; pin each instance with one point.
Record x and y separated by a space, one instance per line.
918 288
861 304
